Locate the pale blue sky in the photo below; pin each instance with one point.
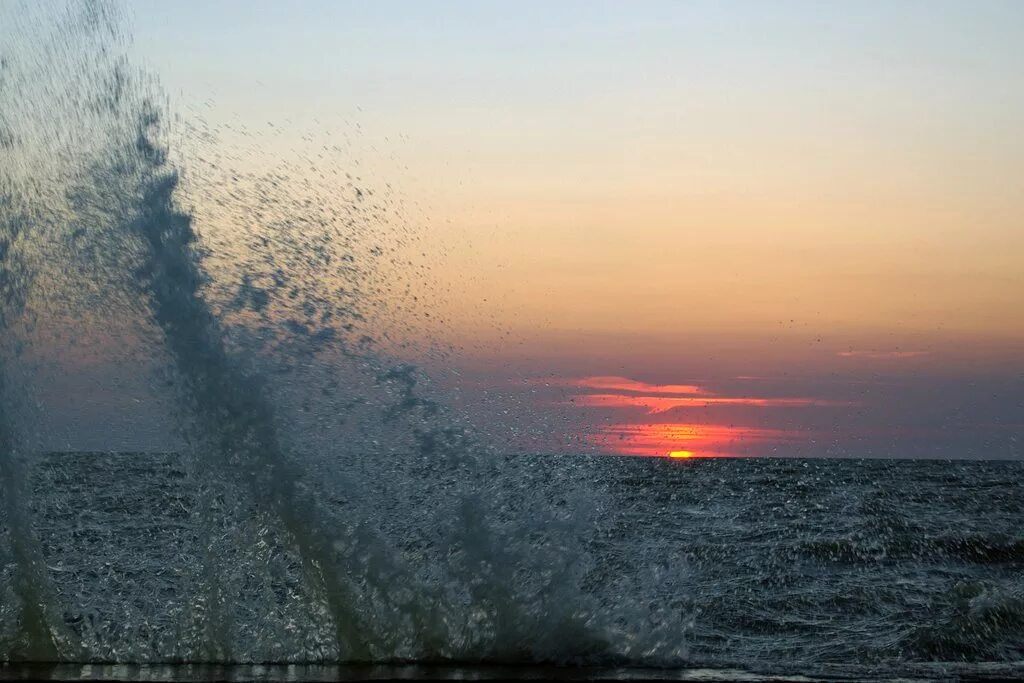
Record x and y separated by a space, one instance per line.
455 61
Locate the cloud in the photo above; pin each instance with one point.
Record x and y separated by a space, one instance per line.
881 355
626 385
661 404
611 391
685 439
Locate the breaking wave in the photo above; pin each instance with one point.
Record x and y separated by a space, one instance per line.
321 502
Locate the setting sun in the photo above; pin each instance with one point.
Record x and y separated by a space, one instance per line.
687 440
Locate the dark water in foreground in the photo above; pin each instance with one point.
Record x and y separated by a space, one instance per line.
840 561
837 567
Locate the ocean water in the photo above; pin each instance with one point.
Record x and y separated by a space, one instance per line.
318 508
815 567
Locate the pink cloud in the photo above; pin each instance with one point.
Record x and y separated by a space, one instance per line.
630 386
662 404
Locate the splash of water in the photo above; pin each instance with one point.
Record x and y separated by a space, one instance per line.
24 605
330 486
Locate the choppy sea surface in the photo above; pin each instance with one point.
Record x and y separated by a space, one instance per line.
773 566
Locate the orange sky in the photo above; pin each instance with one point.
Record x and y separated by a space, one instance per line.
822 199
665 169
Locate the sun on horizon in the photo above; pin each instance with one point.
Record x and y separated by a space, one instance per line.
681 454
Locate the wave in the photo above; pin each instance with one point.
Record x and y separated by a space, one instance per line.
977 548
975 620
344 512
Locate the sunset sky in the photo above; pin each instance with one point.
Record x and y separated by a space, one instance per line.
745 228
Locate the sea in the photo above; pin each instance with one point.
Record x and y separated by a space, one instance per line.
824 568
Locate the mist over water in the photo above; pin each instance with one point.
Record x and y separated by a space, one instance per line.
322 503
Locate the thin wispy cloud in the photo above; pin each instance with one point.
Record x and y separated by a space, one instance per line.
662 404
625 385
882 355
623 392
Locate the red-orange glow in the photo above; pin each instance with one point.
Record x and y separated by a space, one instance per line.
624 384
680 454
679 440
661 404
705 441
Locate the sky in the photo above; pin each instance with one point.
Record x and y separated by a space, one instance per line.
700 228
